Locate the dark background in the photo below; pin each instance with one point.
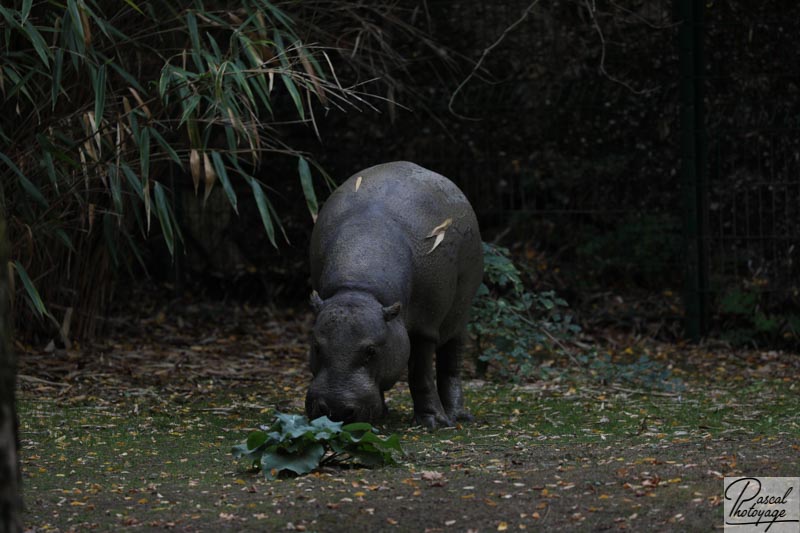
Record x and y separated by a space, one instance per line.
570 142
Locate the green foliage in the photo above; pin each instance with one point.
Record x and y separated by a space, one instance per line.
644 372
510 323
108 108
647 245
292 444
748 319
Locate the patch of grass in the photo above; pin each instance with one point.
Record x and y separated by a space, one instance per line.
156 462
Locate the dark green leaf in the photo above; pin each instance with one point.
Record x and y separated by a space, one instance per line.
164 216
99 83
263 209
298 101
110 225
133 180
222 174
26 9
134 6
256 439
144 153
58 69
273 463
116 187
26 184
34 299
308 186
38 42
62 235
75 18
166 146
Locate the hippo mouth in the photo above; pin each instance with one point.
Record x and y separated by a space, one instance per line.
317 407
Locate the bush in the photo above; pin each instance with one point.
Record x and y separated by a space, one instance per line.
109 107
511 324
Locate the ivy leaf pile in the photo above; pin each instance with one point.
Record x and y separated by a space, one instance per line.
293 445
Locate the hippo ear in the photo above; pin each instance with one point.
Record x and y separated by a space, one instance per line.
391 312
316 302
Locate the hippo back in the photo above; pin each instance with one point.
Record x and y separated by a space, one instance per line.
375 234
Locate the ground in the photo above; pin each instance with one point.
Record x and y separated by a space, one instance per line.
135 431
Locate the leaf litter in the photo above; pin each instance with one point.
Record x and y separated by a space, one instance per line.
134 431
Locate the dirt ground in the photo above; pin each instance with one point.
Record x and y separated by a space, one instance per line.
135 432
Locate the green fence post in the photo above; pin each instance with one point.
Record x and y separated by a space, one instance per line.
693 166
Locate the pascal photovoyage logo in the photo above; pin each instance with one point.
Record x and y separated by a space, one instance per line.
761 504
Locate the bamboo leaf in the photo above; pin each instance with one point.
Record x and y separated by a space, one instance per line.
166 147
264 210
134 6
110 235
298 101
222 173
62 235
210 177
58 69
189 105
26 10
26 184
116 187
124 74
133 180
439 232
308 187
87 27
144 153
51 169
194 35
38 42
165 80
147 206
75 18
163 213
34 300
99 83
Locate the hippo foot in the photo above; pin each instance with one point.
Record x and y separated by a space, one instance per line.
461 416
433 421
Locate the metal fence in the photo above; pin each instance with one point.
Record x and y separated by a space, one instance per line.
653 144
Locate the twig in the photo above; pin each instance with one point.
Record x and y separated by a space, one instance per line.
644 20
33 379
592 9
645 392
485 53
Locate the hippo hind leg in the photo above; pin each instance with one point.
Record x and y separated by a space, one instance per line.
448 380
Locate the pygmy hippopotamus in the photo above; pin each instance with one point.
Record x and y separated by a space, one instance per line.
396 258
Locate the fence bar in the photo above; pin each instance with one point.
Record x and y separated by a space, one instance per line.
693 166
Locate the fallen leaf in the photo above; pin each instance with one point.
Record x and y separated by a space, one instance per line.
502 526
194 165
432 476
439 232
441 228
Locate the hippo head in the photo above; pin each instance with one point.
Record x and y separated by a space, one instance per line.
359 348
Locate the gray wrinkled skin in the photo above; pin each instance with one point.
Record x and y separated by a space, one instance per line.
385 302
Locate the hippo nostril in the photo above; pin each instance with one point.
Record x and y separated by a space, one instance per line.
348 414
322 407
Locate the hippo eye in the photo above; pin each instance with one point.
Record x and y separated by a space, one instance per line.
314 346
370 352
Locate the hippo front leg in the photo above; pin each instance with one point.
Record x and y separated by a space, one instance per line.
448 364
428 410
